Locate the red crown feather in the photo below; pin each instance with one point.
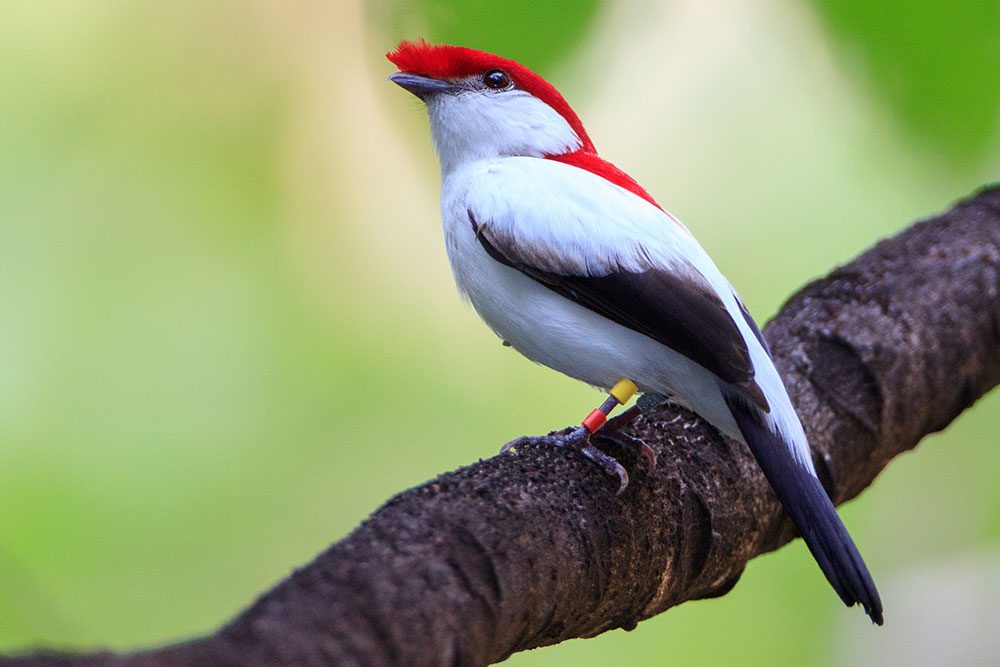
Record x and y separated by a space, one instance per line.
443 61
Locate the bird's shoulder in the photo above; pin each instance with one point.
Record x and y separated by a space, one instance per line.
534 181
535 203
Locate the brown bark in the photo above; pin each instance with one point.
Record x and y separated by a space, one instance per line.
525 550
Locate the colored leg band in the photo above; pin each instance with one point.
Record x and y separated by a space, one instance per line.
623 390
594 420
620 394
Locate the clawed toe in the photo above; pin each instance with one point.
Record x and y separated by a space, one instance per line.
513 444
576 435
609 464
628 442
649 453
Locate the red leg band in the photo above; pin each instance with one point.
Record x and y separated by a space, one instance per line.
594 420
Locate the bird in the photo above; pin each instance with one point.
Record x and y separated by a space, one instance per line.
577 267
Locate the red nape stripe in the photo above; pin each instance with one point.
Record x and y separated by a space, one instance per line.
443 61
609 172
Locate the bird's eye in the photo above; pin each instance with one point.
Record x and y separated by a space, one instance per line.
496 79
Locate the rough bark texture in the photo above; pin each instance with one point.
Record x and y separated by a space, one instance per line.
525 550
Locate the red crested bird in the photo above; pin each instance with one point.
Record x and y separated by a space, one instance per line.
570 261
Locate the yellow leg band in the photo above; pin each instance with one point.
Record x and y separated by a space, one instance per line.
623 390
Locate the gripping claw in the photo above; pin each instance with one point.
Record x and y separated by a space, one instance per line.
628 442
610 466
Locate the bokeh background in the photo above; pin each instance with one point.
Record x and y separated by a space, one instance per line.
228 330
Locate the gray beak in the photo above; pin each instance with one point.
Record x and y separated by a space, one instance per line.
421 86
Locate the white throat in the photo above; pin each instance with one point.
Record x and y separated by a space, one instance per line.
472 126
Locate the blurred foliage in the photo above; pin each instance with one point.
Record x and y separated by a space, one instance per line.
541 32
228 332
937 64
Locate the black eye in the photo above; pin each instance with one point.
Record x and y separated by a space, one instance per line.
496 79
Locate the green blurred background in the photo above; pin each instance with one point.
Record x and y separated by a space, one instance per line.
228 330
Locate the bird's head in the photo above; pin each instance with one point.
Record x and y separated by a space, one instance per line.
483 106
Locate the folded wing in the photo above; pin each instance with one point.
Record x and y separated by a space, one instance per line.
648 287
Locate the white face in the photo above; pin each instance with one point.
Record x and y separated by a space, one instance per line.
472 122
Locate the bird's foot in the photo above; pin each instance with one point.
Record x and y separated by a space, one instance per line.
612 430
575 436
568 437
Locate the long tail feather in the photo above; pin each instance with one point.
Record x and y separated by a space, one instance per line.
810 508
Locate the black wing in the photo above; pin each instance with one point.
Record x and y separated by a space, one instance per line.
682 312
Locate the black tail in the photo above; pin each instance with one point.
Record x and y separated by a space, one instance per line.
807 503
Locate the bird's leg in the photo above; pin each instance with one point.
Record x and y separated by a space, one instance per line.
575 435
579 436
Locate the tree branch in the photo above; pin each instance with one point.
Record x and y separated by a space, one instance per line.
526 550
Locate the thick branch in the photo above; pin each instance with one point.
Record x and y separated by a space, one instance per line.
531 549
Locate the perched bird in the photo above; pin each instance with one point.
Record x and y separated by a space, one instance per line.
576 266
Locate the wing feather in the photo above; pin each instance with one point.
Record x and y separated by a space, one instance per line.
677 308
